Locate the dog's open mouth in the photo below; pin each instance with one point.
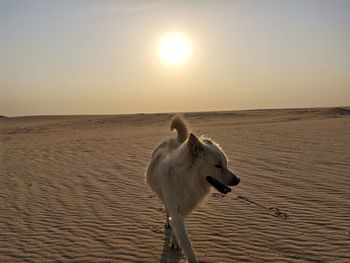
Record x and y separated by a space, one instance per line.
218 186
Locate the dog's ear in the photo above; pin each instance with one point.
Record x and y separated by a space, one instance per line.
194 145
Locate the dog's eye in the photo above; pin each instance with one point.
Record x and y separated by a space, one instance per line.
219 166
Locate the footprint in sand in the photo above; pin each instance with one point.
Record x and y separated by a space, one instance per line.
157 229
218 195
276 212
271 210
161 209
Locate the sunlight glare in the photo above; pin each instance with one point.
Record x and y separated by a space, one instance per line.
174 49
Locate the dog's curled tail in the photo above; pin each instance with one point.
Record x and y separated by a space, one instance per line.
179 123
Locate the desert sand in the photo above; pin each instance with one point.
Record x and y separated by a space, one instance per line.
72 188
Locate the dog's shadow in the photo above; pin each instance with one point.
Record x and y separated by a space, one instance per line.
169 255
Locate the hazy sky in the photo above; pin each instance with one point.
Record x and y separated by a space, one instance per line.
98 57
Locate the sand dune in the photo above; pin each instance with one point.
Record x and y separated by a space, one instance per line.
72 188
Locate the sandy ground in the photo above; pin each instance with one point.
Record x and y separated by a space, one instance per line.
72 188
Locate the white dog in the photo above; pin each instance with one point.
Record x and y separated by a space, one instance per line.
180 172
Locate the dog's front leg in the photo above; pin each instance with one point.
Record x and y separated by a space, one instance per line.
173 244
167 221
179 228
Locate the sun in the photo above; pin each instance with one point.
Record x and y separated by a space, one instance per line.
174 49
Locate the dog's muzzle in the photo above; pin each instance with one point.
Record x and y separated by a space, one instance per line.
218 186
224 189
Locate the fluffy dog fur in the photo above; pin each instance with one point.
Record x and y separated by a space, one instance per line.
179 173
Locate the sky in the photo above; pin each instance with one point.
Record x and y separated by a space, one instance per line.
99 57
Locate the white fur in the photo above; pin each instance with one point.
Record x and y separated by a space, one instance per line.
177 174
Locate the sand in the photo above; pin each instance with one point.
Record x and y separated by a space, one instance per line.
72 188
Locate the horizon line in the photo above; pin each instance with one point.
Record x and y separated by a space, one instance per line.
174 112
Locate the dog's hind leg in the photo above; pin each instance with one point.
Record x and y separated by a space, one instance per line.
179 228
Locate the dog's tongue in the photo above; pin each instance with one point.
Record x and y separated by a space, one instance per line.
218 186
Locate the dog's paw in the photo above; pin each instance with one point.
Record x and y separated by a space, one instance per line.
173 244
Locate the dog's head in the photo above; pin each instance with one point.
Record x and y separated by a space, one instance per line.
212 163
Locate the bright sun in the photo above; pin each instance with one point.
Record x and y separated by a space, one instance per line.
174 49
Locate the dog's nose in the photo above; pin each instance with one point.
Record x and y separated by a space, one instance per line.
234 181
237 180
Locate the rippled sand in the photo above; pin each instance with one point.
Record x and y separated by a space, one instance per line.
72 188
